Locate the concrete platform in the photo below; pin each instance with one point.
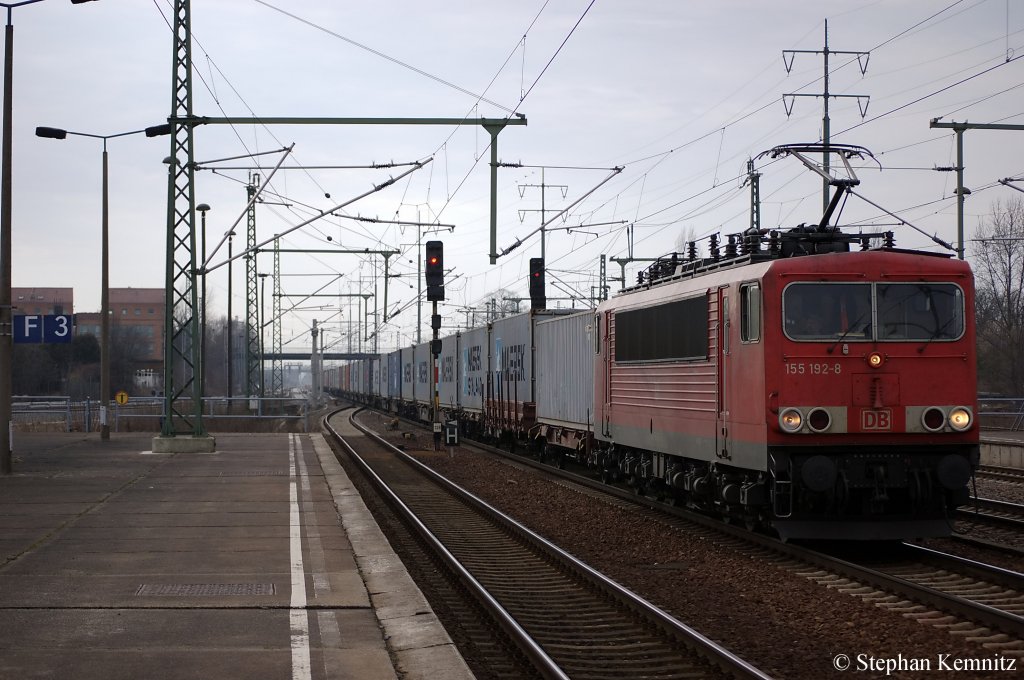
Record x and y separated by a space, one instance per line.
258 560
1002 448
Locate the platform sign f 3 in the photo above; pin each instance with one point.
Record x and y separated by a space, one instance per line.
46 328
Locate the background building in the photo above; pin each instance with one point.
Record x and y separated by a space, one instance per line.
43 300
136 336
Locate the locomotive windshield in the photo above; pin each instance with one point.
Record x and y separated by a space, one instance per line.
919 311
827 311
865 312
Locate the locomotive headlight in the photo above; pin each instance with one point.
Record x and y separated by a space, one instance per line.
933 419
819 420
959 418
791 420
875 360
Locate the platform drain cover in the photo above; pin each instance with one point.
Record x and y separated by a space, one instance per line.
206 589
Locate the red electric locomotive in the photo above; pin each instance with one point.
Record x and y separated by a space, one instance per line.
797 382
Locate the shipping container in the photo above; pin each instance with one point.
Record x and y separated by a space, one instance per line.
511 361
565 370
424 391
473 369
394 376
448 372
380 387
408 394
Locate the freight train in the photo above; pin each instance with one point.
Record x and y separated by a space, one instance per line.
813 382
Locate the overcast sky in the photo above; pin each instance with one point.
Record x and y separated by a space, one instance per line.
678 94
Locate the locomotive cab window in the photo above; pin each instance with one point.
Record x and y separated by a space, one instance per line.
827 311
920 311
750 312
894 312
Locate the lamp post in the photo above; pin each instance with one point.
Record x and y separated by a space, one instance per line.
261 318
58 133
202 208
231 356
6 312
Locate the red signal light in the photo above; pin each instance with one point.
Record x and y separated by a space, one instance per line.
537 298
434 271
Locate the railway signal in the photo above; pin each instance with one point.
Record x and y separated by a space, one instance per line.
434 271
537 298
434 275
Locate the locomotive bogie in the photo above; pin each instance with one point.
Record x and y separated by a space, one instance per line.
875 492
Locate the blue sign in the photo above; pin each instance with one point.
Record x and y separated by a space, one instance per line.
36 328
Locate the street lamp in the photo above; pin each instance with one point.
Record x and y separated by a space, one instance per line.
203 208
261 319
231 356
58 133
6 312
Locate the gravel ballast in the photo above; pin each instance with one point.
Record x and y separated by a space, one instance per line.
782 622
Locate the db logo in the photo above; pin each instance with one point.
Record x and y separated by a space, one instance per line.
876 420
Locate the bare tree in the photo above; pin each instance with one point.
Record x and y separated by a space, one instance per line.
216 356
128 347
35 371
999 277
497 305
685 236
61 368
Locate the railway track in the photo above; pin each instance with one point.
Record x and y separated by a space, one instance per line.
991 525
1004 473
566 618
975 601
993 513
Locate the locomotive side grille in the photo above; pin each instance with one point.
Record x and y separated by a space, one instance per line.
675 330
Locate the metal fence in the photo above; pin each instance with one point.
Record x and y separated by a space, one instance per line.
242 414
41 414
145 414
1001 413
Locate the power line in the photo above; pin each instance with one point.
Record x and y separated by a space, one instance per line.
929 95
478 97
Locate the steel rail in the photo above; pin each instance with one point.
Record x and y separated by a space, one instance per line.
972 611
695 641
544 663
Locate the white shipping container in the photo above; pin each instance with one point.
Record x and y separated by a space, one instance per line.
424 390
374 376
473 368
359 377
408 374
380 387
565 370
394 378
511 350
448 372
